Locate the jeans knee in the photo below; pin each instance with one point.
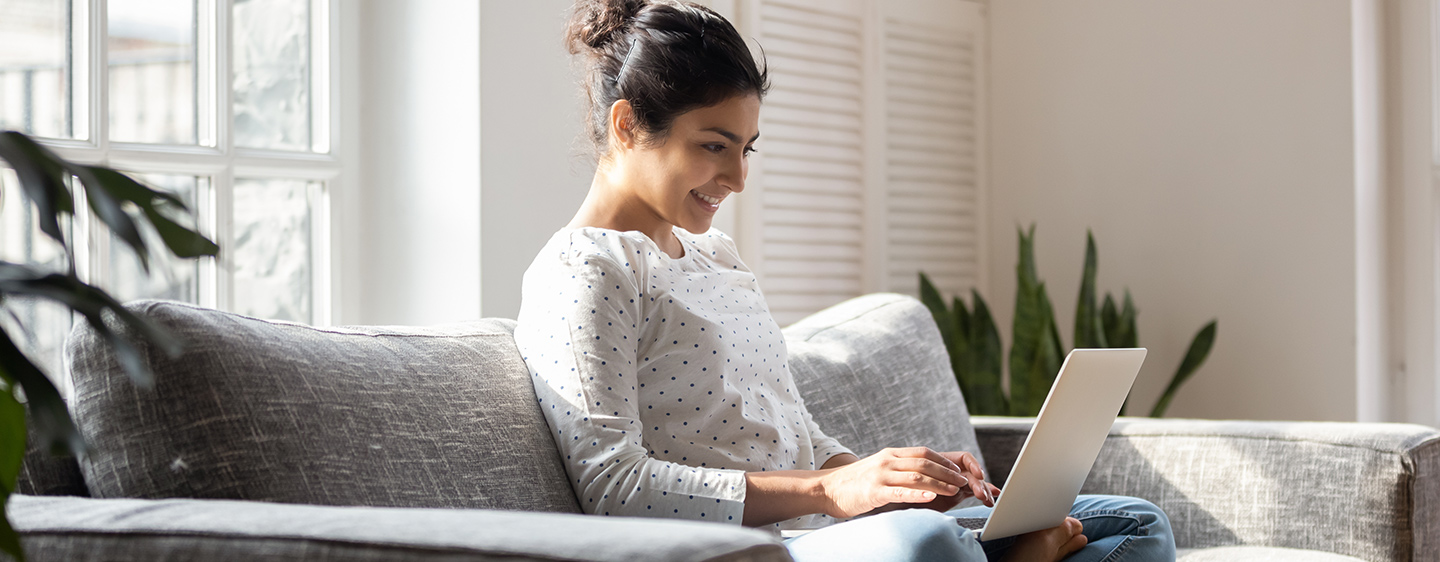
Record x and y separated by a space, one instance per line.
1146 514
929 535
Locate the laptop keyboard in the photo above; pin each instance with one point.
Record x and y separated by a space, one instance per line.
972 523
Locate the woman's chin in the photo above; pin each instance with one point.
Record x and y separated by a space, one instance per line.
697 225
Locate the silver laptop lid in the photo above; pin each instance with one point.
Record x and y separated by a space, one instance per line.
1062 447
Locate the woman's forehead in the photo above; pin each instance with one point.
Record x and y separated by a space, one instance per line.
736 118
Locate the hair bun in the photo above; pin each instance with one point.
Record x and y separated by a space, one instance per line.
595 23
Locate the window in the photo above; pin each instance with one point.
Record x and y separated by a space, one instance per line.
225 102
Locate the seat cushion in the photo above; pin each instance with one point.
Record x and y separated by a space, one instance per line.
176 530
258 410
874 373
1259 554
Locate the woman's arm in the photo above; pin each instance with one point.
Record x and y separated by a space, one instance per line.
848 486
840 460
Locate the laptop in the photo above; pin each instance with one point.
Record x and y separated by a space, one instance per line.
1062 446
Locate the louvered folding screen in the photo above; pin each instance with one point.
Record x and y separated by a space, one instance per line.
810 248
931 153
868 164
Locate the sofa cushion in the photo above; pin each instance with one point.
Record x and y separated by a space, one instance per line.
1259 554
121 530
44 474
874 373
412 417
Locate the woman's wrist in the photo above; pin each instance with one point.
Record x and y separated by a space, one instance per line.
771 497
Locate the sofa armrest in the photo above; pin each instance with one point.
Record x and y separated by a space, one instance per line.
82 529
1366 490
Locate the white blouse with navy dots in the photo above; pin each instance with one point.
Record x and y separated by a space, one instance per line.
663 379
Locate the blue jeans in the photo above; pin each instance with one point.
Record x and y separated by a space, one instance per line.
1118 528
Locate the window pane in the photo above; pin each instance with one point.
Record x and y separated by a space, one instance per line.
152 70
170 278
45 322
272 74
35 67
271 251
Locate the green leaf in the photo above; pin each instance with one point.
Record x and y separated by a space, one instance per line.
1110 320
930 297
12 456
1089 328
53 426
182 241
42 177
86 299
1120 329
1035 358
1034 348
1194 357
99 310
1128 336
110 211
986 397
961 350
12 433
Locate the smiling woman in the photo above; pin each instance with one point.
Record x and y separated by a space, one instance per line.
655 358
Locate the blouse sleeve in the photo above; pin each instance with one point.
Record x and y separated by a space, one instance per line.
578 335
825 447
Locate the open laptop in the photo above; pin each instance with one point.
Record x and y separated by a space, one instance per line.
1063 444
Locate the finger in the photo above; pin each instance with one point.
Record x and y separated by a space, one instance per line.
901 494
950 460
966 463
933 470
919 481
981 489
973 466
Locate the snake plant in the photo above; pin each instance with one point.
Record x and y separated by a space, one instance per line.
1036 351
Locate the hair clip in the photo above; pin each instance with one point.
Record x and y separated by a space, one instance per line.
626 62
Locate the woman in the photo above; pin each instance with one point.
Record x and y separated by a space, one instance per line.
655 358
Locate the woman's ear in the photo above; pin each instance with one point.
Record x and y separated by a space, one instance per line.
622 124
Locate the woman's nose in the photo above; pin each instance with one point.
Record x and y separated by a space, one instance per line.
734 177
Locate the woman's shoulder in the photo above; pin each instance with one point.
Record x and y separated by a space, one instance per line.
592 247
717 247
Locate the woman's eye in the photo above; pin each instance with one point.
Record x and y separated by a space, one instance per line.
715 148
750 150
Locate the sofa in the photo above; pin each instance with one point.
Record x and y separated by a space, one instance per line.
278 441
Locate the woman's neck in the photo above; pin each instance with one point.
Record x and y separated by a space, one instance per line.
610 205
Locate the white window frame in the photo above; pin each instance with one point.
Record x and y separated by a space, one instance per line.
215 156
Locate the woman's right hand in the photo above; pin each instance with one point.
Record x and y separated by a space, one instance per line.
914 475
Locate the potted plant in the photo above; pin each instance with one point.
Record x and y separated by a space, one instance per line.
1036 352
125 206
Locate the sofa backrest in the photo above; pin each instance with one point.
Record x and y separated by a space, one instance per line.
874 373
258 410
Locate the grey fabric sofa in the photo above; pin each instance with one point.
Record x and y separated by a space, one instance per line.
278 441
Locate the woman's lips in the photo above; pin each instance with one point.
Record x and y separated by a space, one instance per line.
706 202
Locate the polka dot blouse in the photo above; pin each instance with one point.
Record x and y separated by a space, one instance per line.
664 380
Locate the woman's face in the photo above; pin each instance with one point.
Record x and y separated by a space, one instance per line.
684 180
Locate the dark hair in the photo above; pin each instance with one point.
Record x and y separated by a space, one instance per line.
665 57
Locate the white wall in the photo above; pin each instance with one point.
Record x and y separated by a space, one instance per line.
416 249
536 173
1210 147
